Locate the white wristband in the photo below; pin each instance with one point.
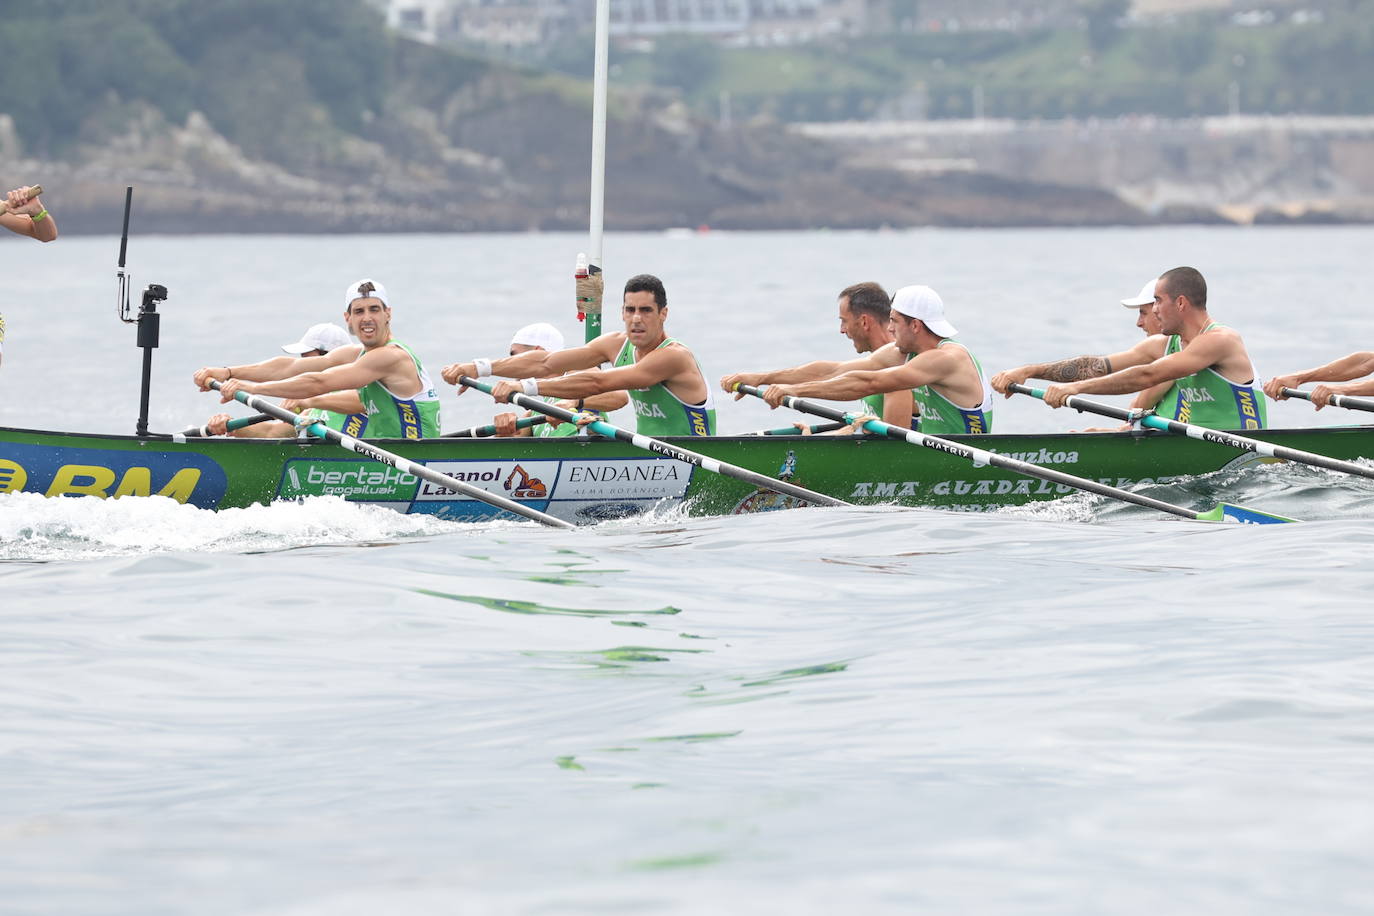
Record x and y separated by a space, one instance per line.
482 367
530 386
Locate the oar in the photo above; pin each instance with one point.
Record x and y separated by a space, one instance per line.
201 432
1340 400
793 431
34 191
1193 431
1220 512
481 432
611 431
368 450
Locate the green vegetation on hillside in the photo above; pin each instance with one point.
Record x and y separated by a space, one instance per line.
1185 68
283 79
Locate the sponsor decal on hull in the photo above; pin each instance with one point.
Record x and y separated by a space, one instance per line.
351 478
770 500
187 477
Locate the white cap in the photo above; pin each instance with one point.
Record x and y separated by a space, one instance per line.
374 290
924 303
1146 297
324 337
540 334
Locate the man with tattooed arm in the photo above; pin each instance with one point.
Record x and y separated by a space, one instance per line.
1194 371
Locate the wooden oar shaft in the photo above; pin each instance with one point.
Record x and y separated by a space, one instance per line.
482 432
980 456
1202 433
1349 402
405 466
34 191
667 449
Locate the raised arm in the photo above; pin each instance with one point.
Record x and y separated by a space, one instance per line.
1354 366
1079 368
1207 350
882 358
539 363
24 215
371 366
278 367
659 366
931 366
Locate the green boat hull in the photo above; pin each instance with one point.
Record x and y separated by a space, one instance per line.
587 480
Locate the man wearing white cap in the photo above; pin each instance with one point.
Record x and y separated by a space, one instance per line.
946 380
394 391
544 336
865 310
318 340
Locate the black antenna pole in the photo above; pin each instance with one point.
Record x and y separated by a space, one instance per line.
124 237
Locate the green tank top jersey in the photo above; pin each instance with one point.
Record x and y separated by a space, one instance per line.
388 416
941 417
1206 398
873 403
658 412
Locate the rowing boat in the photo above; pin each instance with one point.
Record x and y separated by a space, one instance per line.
591 479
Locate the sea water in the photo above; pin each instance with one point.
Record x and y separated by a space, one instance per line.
321 708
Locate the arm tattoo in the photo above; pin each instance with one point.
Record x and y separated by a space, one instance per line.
1076 369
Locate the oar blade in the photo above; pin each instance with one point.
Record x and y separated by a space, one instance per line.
1225 512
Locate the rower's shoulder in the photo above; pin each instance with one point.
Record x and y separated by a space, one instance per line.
888 355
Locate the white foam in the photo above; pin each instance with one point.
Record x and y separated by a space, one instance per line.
33 527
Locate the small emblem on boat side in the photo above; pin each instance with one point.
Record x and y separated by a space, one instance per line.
767 500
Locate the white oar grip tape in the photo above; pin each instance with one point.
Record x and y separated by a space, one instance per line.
482 367
530 386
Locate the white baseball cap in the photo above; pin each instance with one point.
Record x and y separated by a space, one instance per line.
366 289
324 337
540 334
924 303
1146 297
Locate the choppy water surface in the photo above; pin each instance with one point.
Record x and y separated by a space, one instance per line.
319 708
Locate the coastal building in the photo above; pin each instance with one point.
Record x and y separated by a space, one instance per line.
527 23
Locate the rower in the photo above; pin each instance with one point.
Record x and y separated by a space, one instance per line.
661 376
1204 375
1083 367
333 410
394 392
1354 366
945 379
544 336
864 319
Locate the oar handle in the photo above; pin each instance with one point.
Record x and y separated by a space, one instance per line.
1077 403
482 432
202 432
1349 402
793 431
34 191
